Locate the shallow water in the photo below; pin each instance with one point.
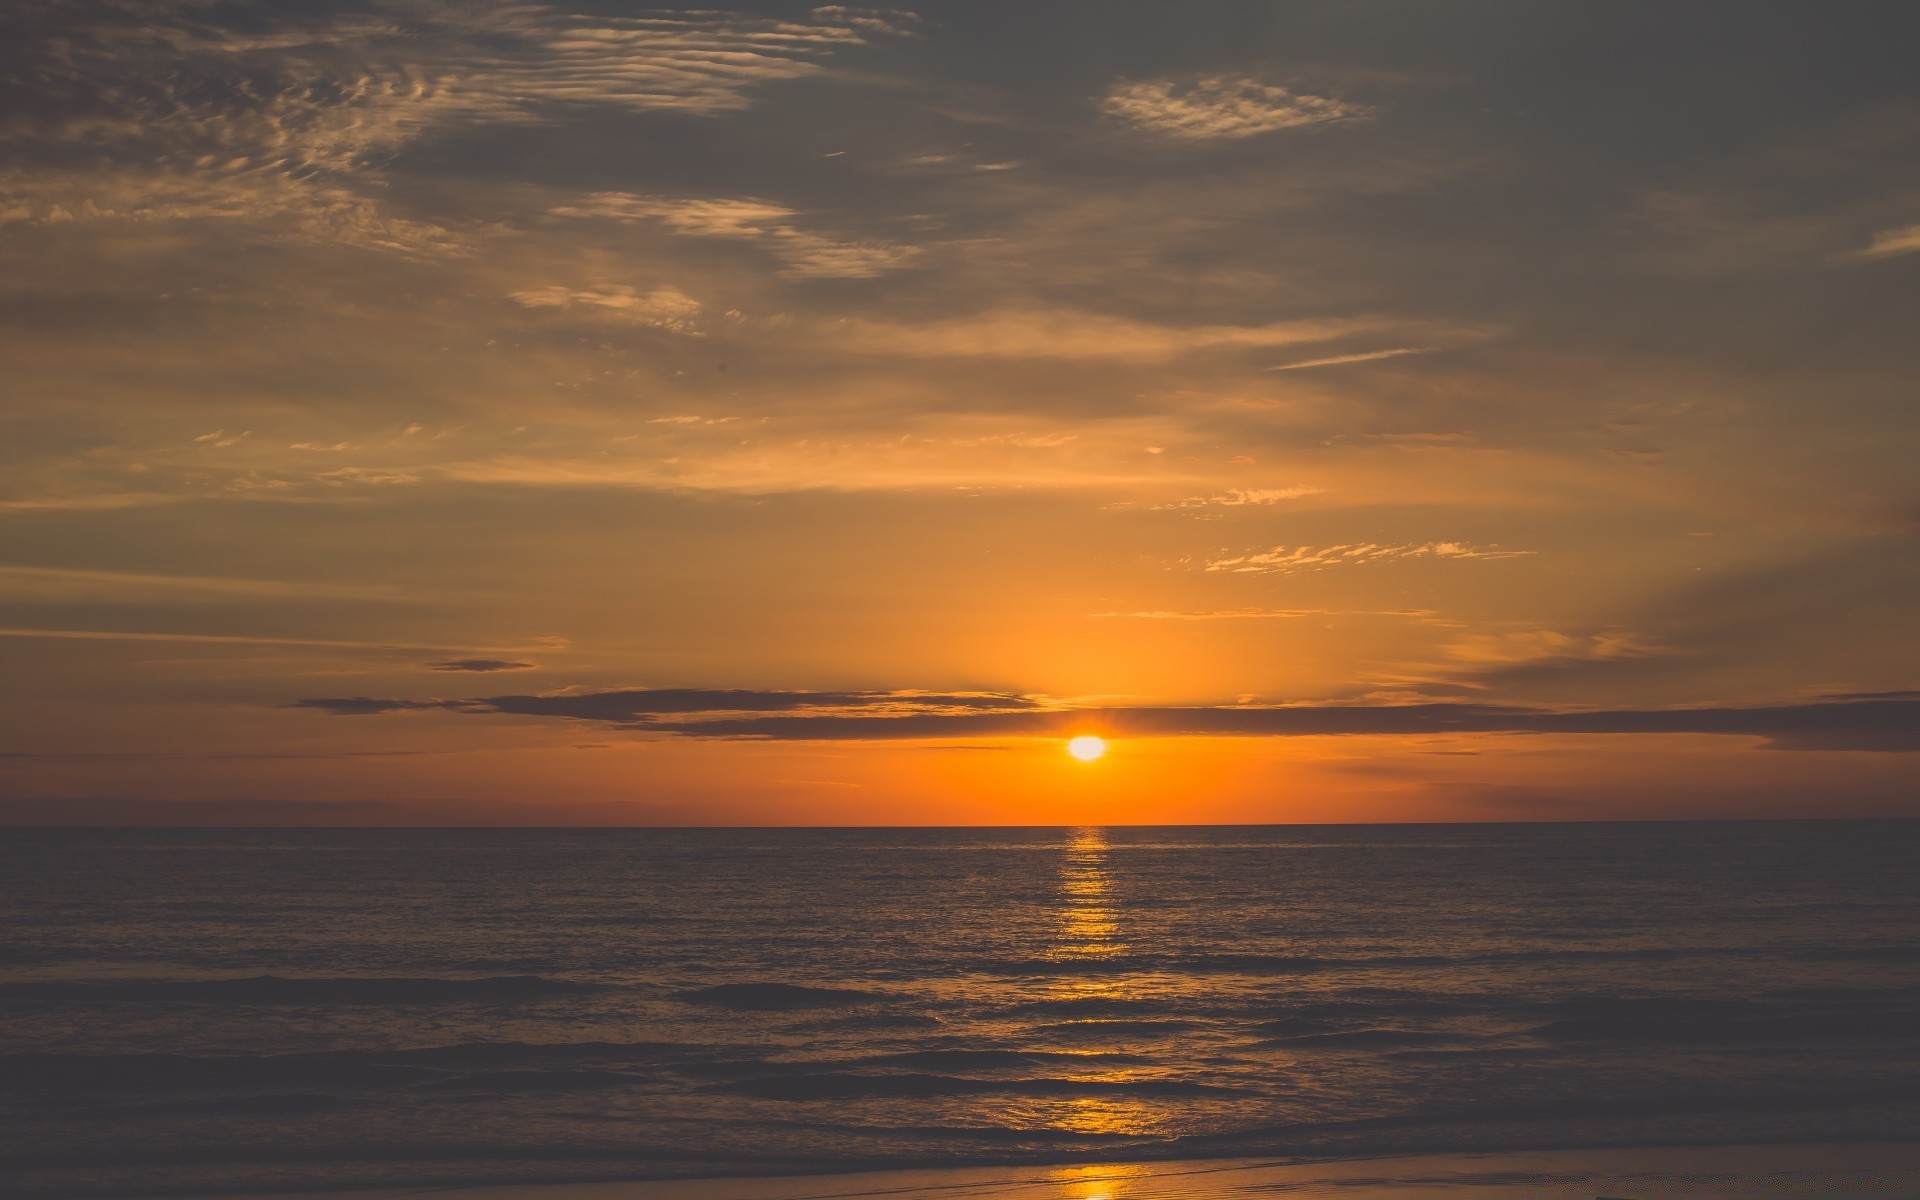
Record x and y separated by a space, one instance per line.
198 1010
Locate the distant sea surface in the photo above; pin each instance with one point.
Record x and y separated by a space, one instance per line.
195 1011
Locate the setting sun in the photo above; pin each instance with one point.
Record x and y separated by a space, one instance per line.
1086 749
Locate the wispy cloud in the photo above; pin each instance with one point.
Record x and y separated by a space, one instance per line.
1243 497
1535 646
806 255
1889 242
1219 106
1282 559
663 307
1266 614
69 584
225 639
480 666
1340 360
1071 334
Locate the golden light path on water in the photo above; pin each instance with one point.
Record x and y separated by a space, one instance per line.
1089 930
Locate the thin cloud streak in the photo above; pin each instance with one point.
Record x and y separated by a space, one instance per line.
70 583
639 706
1261 614
220 639
1339 360
1066 334
1282 560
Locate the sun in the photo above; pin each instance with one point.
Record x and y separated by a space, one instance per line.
1086 749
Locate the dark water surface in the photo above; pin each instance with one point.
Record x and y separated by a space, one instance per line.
197 1010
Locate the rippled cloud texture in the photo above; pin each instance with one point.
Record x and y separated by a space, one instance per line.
812 414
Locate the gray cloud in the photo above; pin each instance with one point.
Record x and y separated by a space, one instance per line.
641 706
1879 721
480 665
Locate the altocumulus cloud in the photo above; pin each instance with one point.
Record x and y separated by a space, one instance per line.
1886 721
150 113
1219 107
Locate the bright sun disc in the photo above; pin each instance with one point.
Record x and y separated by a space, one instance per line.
1086 749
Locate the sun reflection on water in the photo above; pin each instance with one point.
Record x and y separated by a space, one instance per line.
1106 1182
1089 929
1089 922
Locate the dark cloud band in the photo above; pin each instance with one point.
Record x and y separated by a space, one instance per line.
1888 722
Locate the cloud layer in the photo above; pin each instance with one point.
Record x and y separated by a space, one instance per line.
1889 722
1435 381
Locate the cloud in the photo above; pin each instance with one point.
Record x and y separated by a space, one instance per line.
1343 359
1889 242
480 665
806 255
1219 107
223 639
1072 334
361 706
1282 559
1550 646
639 707
287 126
663 307
1874 721
71 585
1241 497
779 453
1261 614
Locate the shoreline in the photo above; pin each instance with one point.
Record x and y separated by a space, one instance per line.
1825 1170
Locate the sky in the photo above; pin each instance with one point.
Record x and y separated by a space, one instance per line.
420 412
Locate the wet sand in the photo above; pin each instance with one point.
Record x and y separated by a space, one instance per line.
1871 1171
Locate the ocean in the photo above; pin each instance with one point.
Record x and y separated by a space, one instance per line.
196 1011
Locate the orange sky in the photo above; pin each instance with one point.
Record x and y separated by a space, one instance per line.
525 414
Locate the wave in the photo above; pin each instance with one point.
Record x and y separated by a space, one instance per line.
1100 1029
513 1082
778 997
1362 1039
1090 1006
1257 964
1725 1029
352 1069
298 990
1515 1115
846 1086
990 1059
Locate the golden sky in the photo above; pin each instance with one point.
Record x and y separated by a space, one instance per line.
432 412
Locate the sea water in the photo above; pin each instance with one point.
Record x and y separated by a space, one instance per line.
195 1010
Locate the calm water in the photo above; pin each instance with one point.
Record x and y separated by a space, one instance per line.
195 1010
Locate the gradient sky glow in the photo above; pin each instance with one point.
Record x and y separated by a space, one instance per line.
433 412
